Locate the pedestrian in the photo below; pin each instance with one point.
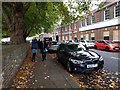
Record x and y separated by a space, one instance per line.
43 48
34 48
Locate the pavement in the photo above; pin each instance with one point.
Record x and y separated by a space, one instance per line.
50 74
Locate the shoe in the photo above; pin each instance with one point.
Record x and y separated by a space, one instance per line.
33 60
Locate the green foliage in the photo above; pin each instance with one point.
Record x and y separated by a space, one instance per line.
101 5
46 15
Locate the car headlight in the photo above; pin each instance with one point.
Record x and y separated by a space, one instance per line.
101 58
76 61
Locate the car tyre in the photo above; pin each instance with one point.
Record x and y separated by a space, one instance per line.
57 57
69 67
95 47
107 49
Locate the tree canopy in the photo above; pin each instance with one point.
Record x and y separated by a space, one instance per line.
29 18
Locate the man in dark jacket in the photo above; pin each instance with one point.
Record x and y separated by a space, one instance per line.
34 48
43 48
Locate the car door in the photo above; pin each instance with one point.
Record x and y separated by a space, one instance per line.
65 55
103 45
59 51
62 53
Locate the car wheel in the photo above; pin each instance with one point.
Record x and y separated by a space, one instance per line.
95 47
69 67
57 57
107 49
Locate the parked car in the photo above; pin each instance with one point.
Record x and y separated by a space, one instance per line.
52 46
107 45
75 58
88 43
5 41
117 42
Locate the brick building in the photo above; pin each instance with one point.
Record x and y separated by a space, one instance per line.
100 24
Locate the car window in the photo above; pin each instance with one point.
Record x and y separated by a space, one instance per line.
89 41
102 42
54 43
74 47
109 42
82 41
116 42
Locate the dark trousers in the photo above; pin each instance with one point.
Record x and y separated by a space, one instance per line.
43 56
33 56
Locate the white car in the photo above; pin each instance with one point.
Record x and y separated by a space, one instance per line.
87 43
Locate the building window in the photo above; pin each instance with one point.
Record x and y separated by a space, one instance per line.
88 21
82 23
117 11
93 18
82 38
106 37
92 38
106 14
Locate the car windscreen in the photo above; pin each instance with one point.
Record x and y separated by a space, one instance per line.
89 41
109 42
74 47
52 43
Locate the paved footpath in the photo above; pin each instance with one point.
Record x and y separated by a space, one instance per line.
50 74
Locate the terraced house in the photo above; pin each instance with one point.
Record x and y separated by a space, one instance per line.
100 24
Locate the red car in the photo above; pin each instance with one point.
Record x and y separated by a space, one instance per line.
107 45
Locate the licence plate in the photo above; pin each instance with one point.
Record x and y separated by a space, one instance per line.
92 65
116 48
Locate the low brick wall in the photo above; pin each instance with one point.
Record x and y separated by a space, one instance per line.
12 59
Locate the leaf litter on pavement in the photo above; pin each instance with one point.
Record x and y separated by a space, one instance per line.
95 80
101 79
21 78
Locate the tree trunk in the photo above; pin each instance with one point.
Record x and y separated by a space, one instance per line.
17 27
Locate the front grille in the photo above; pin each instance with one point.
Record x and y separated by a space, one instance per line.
91 62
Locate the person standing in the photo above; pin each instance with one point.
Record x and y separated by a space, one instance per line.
34 48
43 48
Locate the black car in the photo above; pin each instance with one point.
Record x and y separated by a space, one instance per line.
75 58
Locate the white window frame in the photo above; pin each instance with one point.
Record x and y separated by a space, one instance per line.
70 28
115 11
104 15
75 25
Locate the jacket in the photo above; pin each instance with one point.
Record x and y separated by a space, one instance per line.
42 46
34 44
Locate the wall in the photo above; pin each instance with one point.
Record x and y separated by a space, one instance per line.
12 59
